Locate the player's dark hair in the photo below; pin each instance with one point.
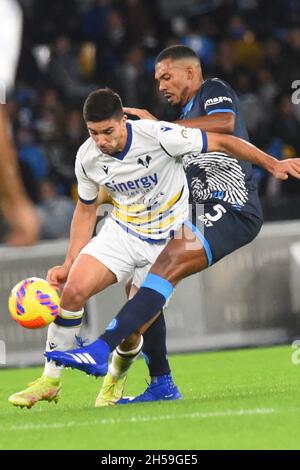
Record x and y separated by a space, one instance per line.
102 104
176 52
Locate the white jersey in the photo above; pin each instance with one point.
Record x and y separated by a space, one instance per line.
10 39
146 181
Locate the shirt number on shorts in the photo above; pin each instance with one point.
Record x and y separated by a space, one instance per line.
220 210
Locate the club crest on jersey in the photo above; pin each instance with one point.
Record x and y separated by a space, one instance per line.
144 161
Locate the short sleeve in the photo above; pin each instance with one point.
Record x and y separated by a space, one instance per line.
87 188
217 98
177 140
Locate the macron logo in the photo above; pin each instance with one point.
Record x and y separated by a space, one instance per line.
217 100
165 128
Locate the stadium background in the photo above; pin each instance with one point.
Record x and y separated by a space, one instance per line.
251 298
72 47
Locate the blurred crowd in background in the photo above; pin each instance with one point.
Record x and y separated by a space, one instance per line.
71 47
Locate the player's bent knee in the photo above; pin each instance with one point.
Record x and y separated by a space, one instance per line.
169 268
177 265
163 263
73 297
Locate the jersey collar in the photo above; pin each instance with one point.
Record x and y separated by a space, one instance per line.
187 107
122 155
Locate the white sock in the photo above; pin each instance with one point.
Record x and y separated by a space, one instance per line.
62 338
122 360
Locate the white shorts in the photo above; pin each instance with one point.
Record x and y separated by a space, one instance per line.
122 252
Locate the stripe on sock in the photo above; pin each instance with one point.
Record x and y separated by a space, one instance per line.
68 322
159 284
68 315
132 352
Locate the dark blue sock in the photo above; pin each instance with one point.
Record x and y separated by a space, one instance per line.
155 348
149 300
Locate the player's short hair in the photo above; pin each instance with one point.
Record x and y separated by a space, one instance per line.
177 52
102 104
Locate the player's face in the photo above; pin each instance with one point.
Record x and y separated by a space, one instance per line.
173 79
109 135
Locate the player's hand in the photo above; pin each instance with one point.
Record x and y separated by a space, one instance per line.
57 276
283 168
140 113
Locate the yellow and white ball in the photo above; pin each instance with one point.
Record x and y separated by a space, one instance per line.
33 303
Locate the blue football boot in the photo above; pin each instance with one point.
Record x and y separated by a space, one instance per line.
92 359
161 388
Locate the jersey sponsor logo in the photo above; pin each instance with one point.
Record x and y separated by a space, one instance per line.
217 100
144 161
153 201
127 186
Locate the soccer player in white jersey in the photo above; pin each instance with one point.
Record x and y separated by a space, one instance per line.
150 196
137 163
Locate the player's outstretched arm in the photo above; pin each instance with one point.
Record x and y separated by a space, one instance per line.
140 113
222 123
242 150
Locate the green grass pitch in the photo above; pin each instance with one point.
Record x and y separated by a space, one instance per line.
240 399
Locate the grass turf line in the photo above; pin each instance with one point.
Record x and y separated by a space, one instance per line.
241 399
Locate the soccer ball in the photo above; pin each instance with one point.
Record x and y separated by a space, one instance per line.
33 303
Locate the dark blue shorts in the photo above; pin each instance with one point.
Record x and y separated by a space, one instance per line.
222 229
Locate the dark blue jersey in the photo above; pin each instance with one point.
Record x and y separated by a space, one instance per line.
215 175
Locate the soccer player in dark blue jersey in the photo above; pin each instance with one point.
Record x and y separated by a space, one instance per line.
231 217
225 187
